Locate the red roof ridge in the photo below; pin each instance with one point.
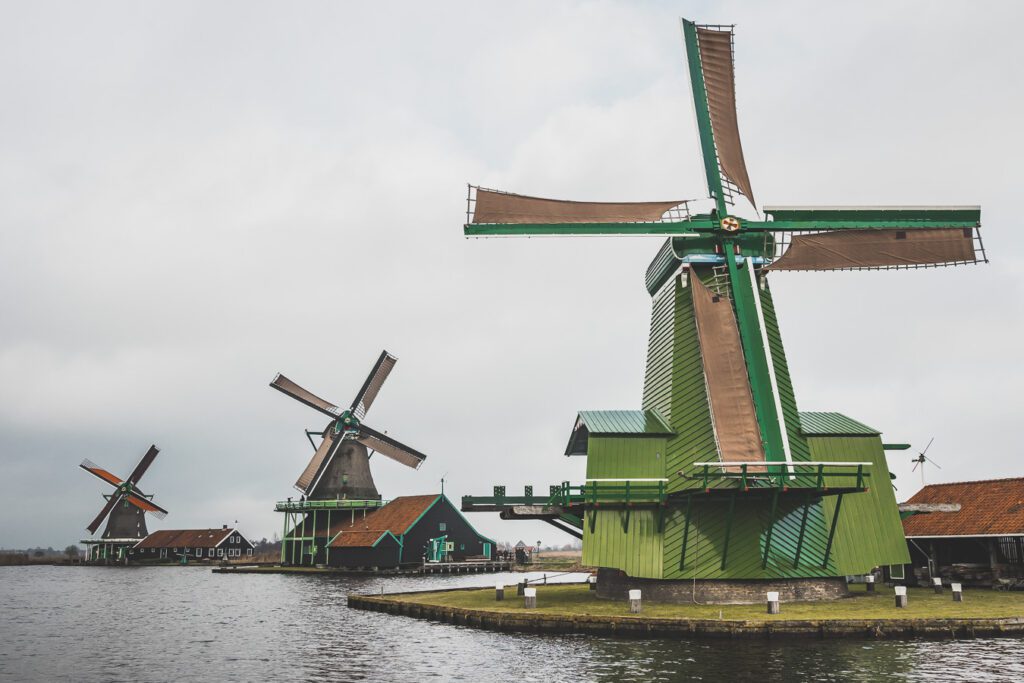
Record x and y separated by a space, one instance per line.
972 481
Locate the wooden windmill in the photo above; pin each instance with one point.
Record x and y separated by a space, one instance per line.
719 477
336 482
125 510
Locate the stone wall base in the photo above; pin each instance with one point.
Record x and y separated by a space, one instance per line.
615 584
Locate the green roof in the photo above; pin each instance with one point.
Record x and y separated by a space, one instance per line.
624 422
615 423
833 424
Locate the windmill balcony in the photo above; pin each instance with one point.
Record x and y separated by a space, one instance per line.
339 504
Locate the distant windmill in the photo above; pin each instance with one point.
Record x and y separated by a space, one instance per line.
340 466
128 505
921 459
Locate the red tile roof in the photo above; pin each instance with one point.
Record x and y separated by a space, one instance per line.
396 517
185 538
358 539
993 507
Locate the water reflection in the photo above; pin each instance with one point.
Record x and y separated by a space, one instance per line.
157 624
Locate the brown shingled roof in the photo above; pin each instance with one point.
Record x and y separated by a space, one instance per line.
396 517
358 539
185 538
994 507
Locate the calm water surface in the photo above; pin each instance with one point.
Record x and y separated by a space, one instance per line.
162 624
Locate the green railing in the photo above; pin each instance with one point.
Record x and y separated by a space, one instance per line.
819 476
341 504
594 492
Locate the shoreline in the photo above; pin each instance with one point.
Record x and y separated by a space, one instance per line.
568 622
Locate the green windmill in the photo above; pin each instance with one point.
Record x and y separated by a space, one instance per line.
718 487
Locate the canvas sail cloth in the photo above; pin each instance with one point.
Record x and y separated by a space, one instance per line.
732 407
501 207
716 65
856 249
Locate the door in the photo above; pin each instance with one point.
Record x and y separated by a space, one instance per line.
487 550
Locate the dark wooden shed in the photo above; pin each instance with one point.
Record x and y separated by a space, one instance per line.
407 531
981 543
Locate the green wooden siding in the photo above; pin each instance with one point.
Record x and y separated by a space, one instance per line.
869 533
626 458
633 545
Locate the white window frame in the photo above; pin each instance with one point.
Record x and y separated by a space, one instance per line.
199 552
220 552
248 551
442 526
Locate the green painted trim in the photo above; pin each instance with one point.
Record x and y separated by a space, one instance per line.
800 226
896 446
965 214
661 228
700 105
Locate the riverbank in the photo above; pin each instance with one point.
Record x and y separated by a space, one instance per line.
575 609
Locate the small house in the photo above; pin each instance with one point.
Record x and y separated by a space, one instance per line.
980 543
409 530
191 545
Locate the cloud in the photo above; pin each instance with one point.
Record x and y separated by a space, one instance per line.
193 198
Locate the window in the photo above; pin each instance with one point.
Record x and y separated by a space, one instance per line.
442 527
199 552
249 551
220 552
896 571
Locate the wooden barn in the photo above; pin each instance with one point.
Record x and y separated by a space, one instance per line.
192 545
409 530
981 543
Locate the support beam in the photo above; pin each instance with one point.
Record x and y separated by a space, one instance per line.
686 533
728 529
832 531
800 537
771 528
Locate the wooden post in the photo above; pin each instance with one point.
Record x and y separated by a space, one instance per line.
958 594
901 596
869 583
592 580
773 602
634 601
499 592
937 584
520 587
530 598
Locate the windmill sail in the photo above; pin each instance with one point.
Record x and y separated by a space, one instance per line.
374 381
286 386
385 445
318 461
867 249
502 207
732 408
714 94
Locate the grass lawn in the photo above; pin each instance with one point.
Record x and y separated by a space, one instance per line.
578 599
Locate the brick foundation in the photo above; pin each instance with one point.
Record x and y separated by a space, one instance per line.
614 584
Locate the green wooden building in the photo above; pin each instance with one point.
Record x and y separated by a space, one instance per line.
718 488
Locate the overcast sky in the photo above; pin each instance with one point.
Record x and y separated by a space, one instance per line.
195 196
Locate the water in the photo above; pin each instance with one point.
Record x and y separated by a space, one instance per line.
173 623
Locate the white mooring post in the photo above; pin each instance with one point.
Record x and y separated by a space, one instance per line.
773 602
530 598
958 594
499 592
634 601
869 583
901 596
937 585
592 580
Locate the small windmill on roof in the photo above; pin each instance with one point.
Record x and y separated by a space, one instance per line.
125 510
716 372
921 459
340 466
